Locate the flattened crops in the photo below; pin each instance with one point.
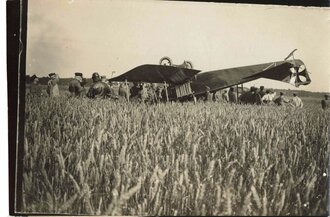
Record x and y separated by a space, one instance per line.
85 156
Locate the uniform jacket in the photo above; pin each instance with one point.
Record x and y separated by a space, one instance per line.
325 104
75 87
232 97
52 88
99 90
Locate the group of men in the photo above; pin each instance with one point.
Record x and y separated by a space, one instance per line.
101 88
255 96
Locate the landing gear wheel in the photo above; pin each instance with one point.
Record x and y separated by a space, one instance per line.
189 65
165 61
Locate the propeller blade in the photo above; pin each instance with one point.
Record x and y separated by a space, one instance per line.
301 68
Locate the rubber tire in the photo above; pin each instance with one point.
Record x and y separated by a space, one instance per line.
165 58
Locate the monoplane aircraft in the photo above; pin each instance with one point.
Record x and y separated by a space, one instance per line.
182 81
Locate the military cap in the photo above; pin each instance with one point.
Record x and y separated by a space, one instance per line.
95 75
78 74
51 74
281 93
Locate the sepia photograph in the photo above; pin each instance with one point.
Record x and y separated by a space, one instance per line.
165 108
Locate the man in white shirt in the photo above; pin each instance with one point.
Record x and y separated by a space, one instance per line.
268 97
296 101
52 88
225 96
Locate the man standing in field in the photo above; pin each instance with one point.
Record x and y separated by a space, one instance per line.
208 95
143 93
296 101
134 91
225 96
99 89
159 94
256 98
76 85
114 89
34 88
153 93
325 103
262 91
52 88
124 91
232 95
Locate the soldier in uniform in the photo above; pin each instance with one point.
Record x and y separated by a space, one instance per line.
159 94
98 89
262 91
225 96
232 96
325 103
134 91
256 98
52 88
280 100
34 88
76 85
246 97
143 93
124 91
114 88
153 93
208 95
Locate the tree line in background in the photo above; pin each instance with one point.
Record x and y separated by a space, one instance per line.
44 80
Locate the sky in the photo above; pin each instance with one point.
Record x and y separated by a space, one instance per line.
107 36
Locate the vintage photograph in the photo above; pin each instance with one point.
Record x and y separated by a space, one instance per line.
175 108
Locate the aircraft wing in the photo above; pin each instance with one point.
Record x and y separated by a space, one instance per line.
293 72
157 74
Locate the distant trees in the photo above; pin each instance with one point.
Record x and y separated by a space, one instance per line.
44 80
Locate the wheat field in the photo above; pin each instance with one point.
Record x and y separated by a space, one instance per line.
103 157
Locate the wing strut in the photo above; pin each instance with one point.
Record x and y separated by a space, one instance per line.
291 54
166 91
128 93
